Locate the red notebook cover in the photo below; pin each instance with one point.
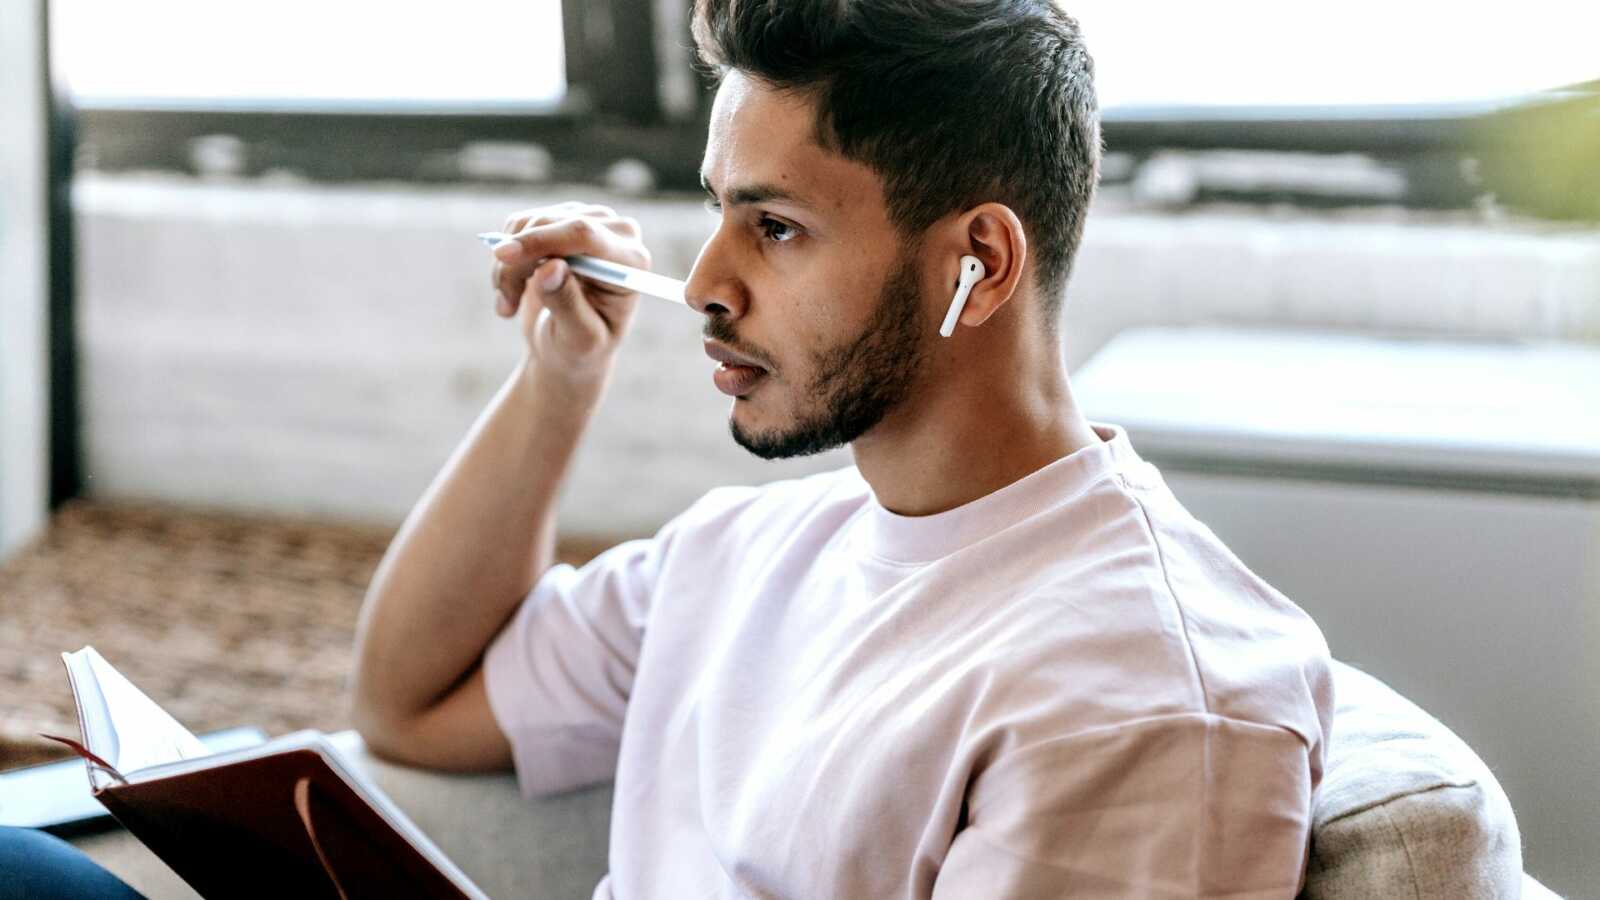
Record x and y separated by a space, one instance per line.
283 825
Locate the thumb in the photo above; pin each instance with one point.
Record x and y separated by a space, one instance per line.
557 288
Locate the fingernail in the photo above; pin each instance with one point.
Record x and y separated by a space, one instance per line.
508 250
553 278
502 305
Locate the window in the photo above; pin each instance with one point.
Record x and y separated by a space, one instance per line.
363 89
297 54
1357 53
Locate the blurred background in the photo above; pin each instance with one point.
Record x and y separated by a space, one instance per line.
1341 282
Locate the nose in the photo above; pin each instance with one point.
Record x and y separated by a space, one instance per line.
714 288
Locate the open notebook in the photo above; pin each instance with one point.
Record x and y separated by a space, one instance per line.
287 818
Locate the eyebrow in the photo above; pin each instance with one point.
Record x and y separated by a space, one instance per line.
755 193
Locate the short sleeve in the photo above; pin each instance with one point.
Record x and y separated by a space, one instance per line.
559 673
1189 805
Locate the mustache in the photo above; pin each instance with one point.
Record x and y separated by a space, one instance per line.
719 329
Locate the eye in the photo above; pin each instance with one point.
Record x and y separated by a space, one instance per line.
713 207
776 231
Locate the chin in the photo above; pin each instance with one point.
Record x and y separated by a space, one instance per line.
784 440
749 415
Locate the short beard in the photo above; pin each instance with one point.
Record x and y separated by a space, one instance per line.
860 382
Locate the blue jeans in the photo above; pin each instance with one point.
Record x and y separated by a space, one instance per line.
39 866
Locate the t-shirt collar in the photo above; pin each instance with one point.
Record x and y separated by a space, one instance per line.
922 539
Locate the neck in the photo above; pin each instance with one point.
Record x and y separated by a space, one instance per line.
977 423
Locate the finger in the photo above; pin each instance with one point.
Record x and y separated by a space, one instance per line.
508 282
599 234
507 296
517 221
511 289
539 215
582 330
528 249
544 215
561 213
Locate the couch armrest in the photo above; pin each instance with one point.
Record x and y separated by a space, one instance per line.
550 847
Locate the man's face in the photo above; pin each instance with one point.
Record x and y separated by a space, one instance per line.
805 276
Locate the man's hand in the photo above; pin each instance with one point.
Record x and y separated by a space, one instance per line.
483 533
573 327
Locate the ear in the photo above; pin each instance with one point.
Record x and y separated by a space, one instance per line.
992 233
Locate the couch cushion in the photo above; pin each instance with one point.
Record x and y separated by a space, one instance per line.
1406 809
555 846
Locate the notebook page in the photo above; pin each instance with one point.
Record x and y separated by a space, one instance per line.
92 712
145 735
93 716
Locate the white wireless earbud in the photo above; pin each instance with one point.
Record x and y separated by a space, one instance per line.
971 273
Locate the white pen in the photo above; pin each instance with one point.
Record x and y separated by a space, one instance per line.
614 274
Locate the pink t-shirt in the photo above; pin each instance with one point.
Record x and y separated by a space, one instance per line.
1068 687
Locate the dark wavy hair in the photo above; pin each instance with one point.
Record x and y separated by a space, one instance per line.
952 102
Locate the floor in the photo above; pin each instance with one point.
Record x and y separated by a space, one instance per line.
222 619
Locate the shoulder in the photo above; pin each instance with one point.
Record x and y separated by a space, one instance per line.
1147 613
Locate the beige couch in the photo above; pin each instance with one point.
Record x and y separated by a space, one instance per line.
1406 809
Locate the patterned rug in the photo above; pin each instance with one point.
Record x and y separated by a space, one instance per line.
222 619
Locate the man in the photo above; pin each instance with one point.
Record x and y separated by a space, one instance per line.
995 657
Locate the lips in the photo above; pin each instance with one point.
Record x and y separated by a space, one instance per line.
726 356
736 381
737 374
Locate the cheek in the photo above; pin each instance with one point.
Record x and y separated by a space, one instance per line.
805 312
794 322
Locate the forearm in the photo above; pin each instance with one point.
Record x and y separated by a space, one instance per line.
474 545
